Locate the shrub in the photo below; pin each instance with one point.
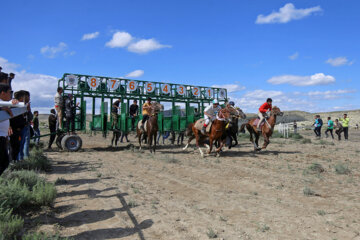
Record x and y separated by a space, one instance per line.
29 178
36 161
306 141
316 168
9 224
211 233
276 134
296 136
308 192
15 193
43 236
44 194
342 169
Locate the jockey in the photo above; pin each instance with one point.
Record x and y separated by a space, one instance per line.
231 103
210 114
145 112
266 107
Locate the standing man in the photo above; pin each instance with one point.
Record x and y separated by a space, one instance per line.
263 110
339 128
145 111
114 113
5 129
210 113
134 110
345 123
36 127
25 132
70 114
59 105
330 128
295 127
52 127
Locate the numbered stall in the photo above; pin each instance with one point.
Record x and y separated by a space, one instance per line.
96 95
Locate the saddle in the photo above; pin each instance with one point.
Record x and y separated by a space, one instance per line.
255 123
145 125
200 123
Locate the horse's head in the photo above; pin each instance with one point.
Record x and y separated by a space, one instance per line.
242 115
156 108
235 112
225 114
276 111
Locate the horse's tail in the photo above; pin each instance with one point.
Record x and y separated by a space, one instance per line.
242 128
188 131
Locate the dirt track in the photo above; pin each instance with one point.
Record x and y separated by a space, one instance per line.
121 193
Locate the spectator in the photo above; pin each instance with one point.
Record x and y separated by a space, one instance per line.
114 113
25 137
11 77
330 128
52 127
59 103
356 126
5 129
339 128
70 114
317 124
36 127
17 124
134 110
345 123
0 69
4 77
295 127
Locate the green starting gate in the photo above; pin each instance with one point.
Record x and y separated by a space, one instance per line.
107 89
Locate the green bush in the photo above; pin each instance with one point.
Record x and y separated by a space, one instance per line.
9 224
316 168
36 161
29 178
43 194
295 136
306 141
341 169
42 236
15 193
276 134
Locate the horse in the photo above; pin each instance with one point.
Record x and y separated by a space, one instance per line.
151 126
267 129
216 132
233 128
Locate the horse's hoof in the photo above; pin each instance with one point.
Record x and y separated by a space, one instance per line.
218 154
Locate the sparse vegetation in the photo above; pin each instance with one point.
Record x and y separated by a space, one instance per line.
61 181
37 161
341 168
132 203
263 228
308 192
306 141
315 168
211 233
10 224
43 236
321 212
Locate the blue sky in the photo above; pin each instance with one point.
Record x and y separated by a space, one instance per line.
304 54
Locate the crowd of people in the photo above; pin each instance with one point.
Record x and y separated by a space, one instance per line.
341 125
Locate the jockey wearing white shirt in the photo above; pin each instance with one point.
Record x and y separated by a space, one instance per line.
210 113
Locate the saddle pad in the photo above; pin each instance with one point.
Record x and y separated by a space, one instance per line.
145 125
200 123
255 123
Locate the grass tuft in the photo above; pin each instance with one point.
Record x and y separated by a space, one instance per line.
10 224
342 169
211 233
308 192
36 161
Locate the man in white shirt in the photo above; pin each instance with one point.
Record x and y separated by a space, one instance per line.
5 129
210 113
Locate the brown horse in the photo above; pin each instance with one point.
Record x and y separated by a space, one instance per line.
151 127
216 132
266 129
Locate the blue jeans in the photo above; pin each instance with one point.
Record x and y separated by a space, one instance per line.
24 143
36 134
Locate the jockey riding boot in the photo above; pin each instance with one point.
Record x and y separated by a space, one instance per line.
203 130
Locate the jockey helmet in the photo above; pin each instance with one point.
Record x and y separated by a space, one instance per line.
269 100
215 101
232 103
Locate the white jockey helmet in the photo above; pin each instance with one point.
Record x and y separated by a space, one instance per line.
215 101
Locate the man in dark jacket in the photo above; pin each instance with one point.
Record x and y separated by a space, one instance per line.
134 109
52 127
36 127
70 114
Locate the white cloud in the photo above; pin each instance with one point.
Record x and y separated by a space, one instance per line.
51 52
42 87
89 36
135 74
316 79
287 13
329 94
146 45
119 40
339 61
294 56
230 87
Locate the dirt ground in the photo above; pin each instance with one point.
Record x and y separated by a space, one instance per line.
124 193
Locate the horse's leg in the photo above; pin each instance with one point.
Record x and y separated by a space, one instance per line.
266 141
211 140
139 136
257 141
149 137
198 145
235 139
154 142
222 143
189 140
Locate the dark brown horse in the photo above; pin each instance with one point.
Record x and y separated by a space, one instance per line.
267 129
216 132
151 127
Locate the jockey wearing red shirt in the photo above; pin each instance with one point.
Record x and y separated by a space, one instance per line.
266 107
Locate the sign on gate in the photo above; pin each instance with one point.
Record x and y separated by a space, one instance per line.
132 85
165 89
196 91
113 84
181 90
150 87
93 82
71 80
